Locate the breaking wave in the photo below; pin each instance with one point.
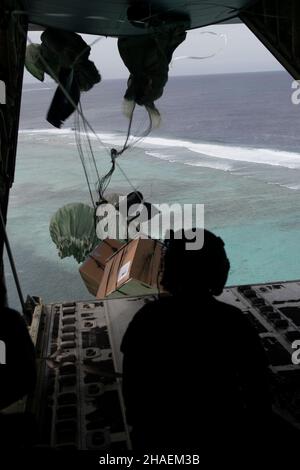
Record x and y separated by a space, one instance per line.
265 156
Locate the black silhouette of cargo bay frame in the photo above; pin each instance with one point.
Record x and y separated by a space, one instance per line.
117 18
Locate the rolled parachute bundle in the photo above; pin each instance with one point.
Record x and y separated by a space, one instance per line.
147 57
33 62
64 56
72 229
62 50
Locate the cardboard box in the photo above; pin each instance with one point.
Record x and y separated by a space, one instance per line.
135 269
92 269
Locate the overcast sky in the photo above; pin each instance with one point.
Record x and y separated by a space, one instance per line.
236 49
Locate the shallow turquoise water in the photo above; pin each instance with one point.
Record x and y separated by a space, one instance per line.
259 221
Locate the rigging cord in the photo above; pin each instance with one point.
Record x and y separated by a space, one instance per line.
209 56
65 92
89 143
87 126
81 156
126 146
102 183
114 154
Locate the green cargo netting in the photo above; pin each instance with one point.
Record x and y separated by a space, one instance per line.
72 229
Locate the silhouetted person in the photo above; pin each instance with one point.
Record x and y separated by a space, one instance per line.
17 371
195 374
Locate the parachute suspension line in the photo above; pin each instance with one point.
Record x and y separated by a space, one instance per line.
105 180
81 141
138 131
209 56
90 144
114 154
63 89
87 125
135 141
147 131
79 108
135 190
125 146
81 155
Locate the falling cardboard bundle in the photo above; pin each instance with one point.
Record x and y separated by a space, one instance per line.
135 269
92 269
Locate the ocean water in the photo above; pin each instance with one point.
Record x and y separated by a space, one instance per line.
230 142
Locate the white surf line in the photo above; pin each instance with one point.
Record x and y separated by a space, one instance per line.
245 154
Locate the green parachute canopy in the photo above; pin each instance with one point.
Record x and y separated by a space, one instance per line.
72 229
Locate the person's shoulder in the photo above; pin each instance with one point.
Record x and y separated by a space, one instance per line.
9 314
158 303
232 314
10 320
232 309
237 322
151 310
145 321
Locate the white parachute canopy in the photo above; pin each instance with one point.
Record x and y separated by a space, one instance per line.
72 229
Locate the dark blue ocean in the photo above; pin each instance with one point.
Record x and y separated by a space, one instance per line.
230 142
